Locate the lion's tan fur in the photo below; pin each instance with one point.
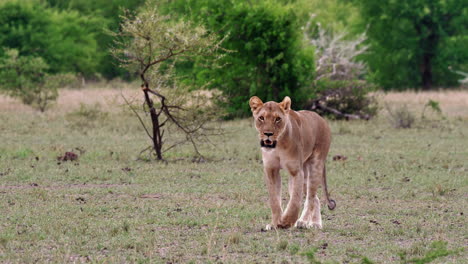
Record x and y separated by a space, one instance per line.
297 142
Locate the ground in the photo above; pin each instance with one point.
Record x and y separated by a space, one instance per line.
401 193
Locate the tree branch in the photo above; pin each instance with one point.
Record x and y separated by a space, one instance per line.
138 116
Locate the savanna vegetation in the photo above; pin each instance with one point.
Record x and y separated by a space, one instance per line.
124 134
400 192
417 45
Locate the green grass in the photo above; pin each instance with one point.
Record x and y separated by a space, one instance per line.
401 195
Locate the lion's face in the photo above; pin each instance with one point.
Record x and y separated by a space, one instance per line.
270 120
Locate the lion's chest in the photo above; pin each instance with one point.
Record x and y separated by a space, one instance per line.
272 159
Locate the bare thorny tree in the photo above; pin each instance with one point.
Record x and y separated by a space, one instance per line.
336 59
151 44
336 55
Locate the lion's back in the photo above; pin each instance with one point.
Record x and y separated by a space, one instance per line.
317 127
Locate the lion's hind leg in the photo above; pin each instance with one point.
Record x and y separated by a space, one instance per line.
311 216
305 220
296 184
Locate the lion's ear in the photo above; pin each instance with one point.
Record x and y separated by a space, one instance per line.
286 104
255 103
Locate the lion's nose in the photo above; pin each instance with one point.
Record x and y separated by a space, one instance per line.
268 134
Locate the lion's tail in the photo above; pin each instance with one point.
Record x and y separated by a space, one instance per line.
331 203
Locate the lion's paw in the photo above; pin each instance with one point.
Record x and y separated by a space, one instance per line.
269 227
301 224
317 225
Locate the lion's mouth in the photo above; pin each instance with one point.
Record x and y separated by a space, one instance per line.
267 143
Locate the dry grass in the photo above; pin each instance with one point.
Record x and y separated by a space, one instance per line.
454 103
107 98
70 99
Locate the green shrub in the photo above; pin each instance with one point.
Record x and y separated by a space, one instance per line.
401 117
101 14
267 57
432 105
86 117
65 40
26 78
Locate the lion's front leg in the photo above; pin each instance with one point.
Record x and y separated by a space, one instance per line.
296 185
273 181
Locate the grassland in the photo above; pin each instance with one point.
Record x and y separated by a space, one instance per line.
401 193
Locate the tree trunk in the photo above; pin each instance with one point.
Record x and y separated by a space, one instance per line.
428 31
157 135
429 45
427 71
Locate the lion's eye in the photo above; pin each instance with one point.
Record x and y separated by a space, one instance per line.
261 118
278 119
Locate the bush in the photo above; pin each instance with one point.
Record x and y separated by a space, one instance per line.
86 117
344 100
102 14
267 57
26 78
46 92
65 40
401 117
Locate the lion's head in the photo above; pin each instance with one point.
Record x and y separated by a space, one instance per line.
271 119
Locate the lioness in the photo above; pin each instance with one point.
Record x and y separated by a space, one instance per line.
298 142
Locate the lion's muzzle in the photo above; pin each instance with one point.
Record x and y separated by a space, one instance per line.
267 143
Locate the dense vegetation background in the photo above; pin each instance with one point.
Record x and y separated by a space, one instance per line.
418 44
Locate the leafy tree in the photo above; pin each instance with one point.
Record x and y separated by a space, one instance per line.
64 39
415 43
332 15
26 78
21 71
106 15
268 58
150 44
